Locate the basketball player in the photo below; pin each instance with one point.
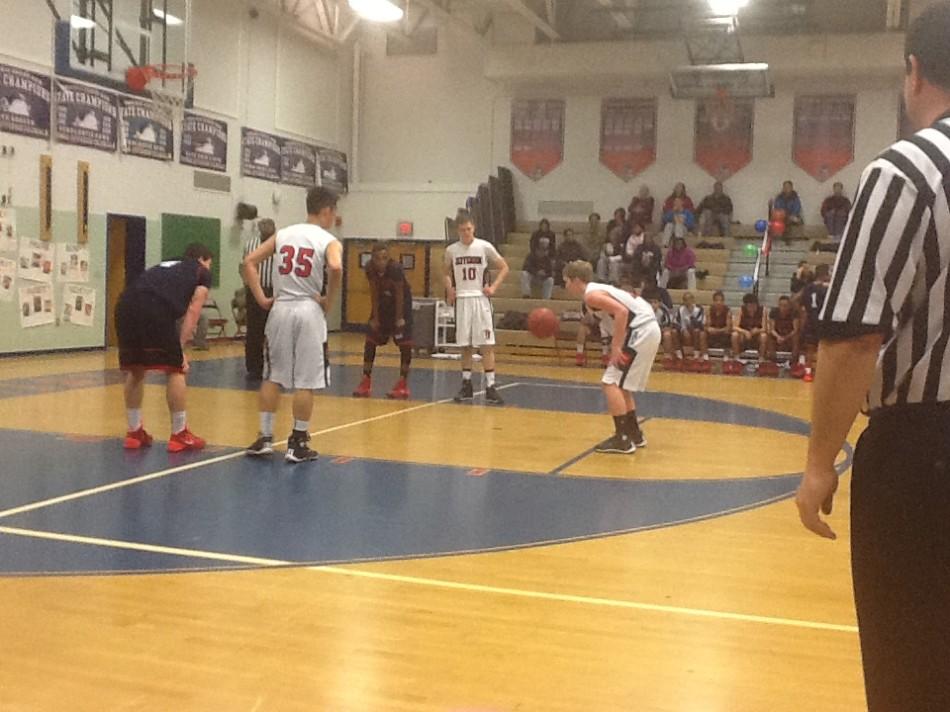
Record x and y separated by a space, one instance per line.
783 329
466 275
390 317
589 327
295 355
749 334
146 318
669 331
692 324
635 340
812 300
719 328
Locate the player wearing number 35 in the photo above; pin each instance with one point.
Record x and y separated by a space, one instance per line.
295 351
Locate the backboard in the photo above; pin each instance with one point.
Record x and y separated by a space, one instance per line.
747 80
102 39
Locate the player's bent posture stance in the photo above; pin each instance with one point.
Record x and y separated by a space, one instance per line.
295 352
466 274
636 338
146 323
390 317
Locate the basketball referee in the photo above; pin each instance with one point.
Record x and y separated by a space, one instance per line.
257 317
884 330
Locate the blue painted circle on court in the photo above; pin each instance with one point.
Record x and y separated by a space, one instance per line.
221 510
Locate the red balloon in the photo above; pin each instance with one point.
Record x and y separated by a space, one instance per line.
543 323
777 228
778 215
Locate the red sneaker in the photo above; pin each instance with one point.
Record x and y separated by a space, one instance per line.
667 363
706 366
363 390
679 364
185 440
400 391
135 439
797 371
808 377
580 359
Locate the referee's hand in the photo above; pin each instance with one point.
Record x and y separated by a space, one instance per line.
816 496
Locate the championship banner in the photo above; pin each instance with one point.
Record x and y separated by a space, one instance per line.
537 136
628 135
204 143
86 116
147 130
298 163
724 135
24 102
334 173
260 155
824 134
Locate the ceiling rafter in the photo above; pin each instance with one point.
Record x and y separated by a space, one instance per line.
539 22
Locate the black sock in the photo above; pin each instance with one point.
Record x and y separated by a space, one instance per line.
620 424
633 427
405 358
369 356
299 435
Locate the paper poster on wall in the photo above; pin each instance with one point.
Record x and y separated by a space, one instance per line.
723 137
73 263
79 304
334 172
36 260
24 102
36 305
204 143
86 116
147 130
8 235
537 136
628 135
7 279
824 134
260 155
298 163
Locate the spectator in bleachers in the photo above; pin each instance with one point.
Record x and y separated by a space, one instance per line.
802 277
569 250
641 208
749 334
610 257
595 230
679 266
538 270
692 324
667 321
679 191
783 330
716 212
789 201
634 240
835 210
544 237
646 261
677 222
719 325
619 220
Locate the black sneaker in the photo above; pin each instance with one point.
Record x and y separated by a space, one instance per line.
492 397
466 392
264 445
639 440
298 450
619 444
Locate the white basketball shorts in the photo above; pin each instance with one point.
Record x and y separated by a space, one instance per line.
295 345
474 322
642 344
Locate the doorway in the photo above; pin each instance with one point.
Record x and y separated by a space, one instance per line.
125 260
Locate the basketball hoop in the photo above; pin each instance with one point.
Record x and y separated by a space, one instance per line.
138 80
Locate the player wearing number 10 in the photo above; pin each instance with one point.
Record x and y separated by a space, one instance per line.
295 352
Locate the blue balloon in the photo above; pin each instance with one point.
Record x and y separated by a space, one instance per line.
746 281
761 225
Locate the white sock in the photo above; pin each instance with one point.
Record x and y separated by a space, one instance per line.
489 378
466 375
267 424
679 353
134 416
580 348
302 425
801 359
178 421
705 357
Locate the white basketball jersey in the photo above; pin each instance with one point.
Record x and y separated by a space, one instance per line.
641 312
468 264
299 260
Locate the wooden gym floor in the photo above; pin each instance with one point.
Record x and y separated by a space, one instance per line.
438 557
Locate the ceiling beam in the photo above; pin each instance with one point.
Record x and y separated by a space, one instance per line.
321 11
539 22
440 13
620 19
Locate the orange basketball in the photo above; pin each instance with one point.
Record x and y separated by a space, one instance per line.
543 323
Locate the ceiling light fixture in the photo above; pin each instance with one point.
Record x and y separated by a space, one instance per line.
727 7
167 17
377 10
81 23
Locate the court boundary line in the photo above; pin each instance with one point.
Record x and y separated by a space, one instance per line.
683 611
33 506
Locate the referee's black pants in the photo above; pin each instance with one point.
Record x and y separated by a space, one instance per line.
254 341
900 529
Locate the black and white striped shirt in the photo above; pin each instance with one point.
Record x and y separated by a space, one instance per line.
891 274
266 267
